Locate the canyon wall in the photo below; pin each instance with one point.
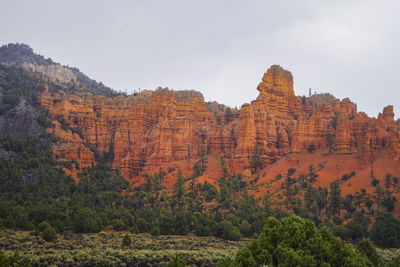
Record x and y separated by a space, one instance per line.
147 129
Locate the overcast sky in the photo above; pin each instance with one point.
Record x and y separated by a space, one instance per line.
350 48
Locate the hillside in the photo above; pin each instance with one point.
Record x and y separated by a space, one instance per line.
164 128
77 155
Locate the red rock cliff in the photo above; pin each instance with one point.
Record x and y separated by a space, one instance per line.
164 126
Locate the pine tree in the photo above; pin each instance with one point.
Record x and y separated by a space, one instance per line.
178 196
256 161
379 195
335 200
330 140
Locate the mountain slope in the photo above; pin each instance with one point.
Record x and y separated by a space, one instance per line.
166 162
21 55
165 129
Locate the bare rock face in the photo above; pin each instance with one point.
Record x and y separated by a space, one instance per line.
55 72
279 79
152 128
171 127
20 122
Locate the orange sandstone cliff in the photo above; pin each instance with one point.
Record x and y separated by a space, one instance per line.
162 128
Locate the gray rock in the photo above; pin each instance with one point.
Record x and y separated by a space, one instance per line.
21 121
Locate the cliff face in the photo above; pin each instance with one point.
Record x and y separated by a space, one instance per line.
55 72
152 128
143 131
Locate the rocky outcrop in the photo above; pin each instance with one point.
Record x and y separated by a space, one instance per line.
21 121
172 126
152 128
55 72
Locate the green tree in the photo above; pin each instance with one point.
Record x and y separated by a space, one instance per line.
225 196
86 220
228 115
49 234
189 153
365 247
203 160
179 190
43 225
155 231
330 140
379 196
322 199
312 176
181 223
200 166
386 231
389 200
256 162
335 199
357 228
294 241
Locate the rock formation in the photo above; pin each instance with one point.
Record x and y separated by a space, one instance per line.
146 130
55 72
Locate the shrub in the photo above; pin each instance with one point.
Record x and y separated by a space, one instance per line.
394 263
311 148
374 182
176 262
49 234
126 241
43 225
155 231
13 260
226 261
102 233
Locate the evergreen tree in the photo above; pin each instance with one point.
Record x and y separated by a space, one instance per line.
256 161
379 196
294 241
178 195
386 231
330 141
335 199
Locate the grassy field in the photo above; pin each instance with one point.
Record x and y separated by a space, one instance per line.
105 249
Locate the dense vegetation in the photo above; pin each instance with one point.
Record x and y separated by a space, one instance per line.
19 54
108 249
294 241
